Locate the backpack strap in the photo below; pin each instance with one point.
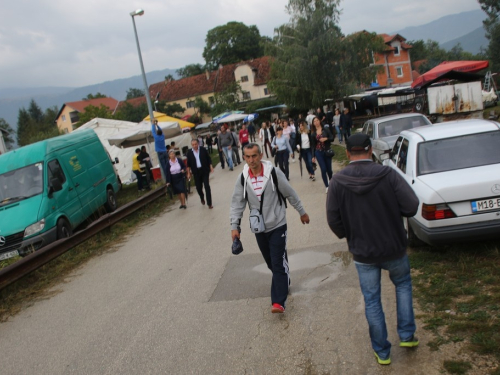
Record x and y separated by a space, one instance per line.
274 177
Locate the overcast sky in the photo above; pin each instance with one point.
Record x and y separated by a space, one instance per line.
77 43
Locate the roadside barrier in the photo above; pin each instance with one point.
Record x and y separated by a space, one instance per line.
32 262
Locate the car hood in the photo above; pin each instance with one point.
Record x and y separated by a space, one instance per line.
15 217
465 184
390 140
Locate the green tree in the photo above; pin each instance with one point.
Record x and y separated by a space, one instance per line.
9 136
96 96
134 93
128 112
313 60
173 109
91 112
227 100
231 43
34 125
492 26
169 78
190 70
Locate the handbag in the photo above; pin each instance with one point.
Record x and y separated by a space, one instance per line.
256 221
330 153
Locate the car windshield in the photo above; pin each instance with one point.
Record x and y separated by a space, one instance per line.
396 126
468 151
21 183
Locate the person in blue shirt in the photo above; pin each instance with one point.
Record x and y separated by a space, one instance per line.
283 150
160 148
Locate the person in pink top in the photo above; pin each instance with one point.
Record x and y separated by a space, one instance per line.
243 136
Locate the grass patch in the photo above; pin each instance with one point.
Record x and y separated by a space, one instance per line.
458 290
457 367
340 155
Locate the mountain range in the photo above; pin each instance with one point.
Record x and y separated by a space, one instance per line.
464 28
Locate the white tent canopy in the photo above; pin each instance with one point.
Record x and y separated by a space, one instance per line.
141 134
107 129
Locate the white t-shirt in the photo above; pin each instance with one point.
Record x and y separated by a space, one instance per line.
305 141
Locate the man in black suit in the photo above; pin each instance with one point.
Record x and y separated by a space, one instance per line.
199 164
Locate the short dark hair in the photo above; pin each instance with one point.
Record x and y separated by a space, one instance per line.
137 150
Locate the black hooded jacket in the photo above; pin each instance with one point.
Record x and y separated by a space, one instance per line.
365 204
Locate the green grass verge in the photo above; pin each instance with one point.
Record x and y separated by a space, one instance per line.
458 290
340 155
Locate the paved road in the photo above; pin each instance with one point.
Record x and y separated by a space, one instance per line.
173 300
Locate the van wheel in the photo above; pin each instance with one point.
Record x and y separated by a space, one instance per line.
413 240
63 229
110 204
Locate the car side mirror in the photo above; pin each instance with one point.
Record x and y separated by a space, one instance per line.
386 156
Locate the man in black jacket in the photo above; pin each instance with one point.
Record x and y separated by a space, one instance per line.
345 123
199 164
365 203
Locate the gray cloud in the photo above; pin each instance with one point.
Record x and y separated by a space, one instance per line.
75 43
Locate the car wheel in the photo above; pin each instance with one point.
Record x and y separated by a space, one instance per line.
413 240
110 204
63 229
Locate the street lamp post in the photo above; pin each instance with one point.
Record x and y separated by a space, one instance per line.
140 12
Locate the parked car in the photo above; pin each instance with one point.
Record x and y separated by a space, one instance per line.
48 188
384 131
454 168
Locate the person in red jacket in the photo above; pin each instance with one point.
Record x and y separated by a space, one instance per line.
243 136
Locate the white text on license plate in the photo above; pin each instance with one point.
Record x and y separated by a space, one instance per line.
486 205
8 255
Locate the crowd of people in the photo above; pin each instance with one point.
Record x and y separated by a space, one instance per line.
362 200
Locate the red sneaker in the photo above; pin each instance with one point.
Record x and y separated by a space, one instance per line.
276 308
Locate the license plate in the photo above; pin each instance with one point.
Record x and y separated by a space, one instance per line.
8 255
486 205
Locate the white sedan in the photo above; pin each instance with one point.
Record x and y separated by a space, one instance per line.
454 168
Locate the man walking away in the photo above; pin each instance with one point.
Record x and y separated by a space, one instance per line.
251 132
160 147
225 142
235 148
345 123
265 188
365 203
243 136
200 166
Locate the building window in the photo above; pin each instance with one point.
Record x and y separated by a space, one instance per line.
396 50
64 118
399 71
211 100
244 79
246 95
190 104
266 91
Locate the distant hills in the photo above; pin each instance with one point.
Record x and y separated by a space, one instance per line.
471 42
14 98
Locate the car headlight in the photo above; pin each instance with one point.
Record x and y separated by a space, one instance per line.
34 228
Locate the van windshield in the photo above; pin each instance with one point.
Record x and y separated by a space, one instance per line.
21 183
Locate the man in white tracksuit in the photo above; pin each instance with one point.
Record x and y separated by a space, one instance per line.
265 189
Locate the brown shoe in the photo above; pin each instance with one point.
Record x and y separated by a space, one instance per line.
210 207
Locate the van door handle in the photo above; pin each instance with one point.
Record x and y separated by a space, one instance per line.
77 184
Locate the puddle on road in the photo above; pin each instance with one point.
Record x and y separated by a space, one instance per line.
311 270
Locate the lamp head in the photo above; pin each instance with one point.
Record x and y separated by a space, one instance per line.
138 12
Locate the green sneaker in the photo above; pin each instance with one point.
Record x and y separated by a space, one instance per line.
411 343
383 361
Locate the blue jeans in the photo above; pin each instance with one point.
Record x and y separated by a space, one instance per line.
339 133
229 156
307 157
272 245
325 164
283 156
369 280
163 159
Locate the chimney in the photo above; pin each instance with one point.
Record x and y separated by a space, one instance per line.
207 73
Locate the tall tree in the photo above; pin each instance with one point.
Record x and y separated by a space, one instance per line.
34 125
313 60
492 26
9 136
96 96
128 112
92 112
231 43
134 93
190 70
226 100
173 109
169 78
